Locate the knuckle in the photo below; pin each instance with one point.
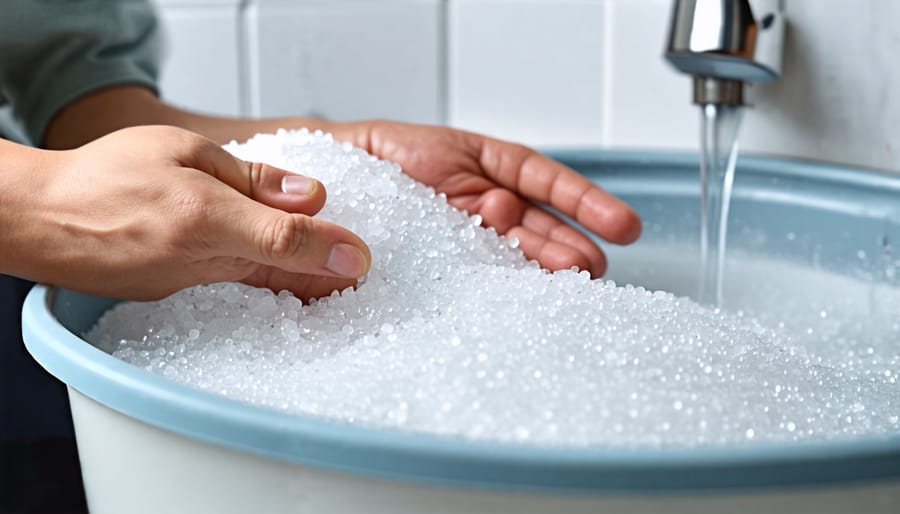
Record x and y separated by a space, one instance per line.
522 150
256 174
286 237
181 140
196 148
194 141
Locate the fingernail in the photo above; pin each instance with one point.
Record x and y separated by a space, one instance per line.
297 185
346 260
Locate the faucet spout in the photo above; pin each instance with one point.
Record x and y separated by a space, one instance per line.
725 44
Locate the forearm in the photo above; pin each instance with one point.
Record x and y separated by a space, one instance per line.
108 110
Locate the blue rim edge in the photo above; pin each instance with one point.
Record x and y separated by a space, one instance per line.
429 459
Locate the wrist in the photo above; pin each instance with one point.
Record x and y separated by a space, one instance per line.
26 172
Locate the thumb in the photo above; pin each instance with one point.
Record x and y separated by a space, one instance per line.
289 241
266 234
263 182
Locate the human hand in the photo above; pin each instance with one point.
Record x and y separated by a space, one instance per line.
146 211
505 183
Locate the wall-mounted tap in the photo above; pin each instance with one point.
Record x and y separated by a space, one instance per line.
725 44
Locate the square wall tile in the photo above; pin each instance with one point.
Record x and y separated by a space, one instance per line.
836 99
346 59
200 69
527 70
649 103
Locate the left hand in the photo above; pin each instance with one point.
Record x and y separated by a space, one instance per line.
505 183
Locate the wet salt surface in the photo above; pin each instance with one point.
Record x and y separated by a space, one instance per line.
454 332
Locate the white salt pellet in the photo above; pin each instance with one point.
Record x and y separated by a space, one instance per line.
454 332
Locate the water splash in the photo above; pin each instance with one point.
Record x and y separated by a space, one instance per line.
719 125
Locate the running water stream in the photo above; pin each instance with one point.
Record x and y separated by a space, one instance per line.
719 126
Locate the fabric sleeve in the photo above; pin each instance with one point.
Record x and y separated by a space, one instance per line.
54 51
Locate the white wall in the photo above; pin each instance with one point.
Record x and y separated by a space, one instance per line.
549 73
840 94
528 70
345 59
202 67
342 59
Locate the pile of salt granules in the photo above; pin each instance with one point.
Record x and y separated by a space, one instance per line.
454 332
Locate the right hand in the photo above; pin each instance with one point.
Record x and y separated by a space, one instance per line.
146 211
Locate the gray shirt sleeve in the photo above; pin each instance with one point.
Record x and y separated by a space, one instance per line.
54 51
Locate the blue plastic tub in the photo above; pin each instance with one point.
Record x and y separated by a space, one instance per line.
151 445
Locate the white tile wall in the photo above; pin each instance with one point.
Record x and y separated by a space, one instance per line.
545 72
839 97
648 103
201 69
346 59
528 70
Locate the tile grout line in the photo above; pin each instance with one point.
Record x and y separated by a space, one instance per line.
443 68
607 84
248 92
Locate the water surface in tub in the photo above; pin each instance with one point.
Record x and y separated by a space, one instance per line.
453 332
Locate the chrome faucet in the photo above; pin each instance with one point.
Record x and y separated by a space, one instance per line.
725 44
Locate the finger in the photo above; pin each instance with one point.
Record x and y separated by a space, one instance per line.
546 224
303 286
552 255
264 183
292 242
500 208
504 210
544 180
